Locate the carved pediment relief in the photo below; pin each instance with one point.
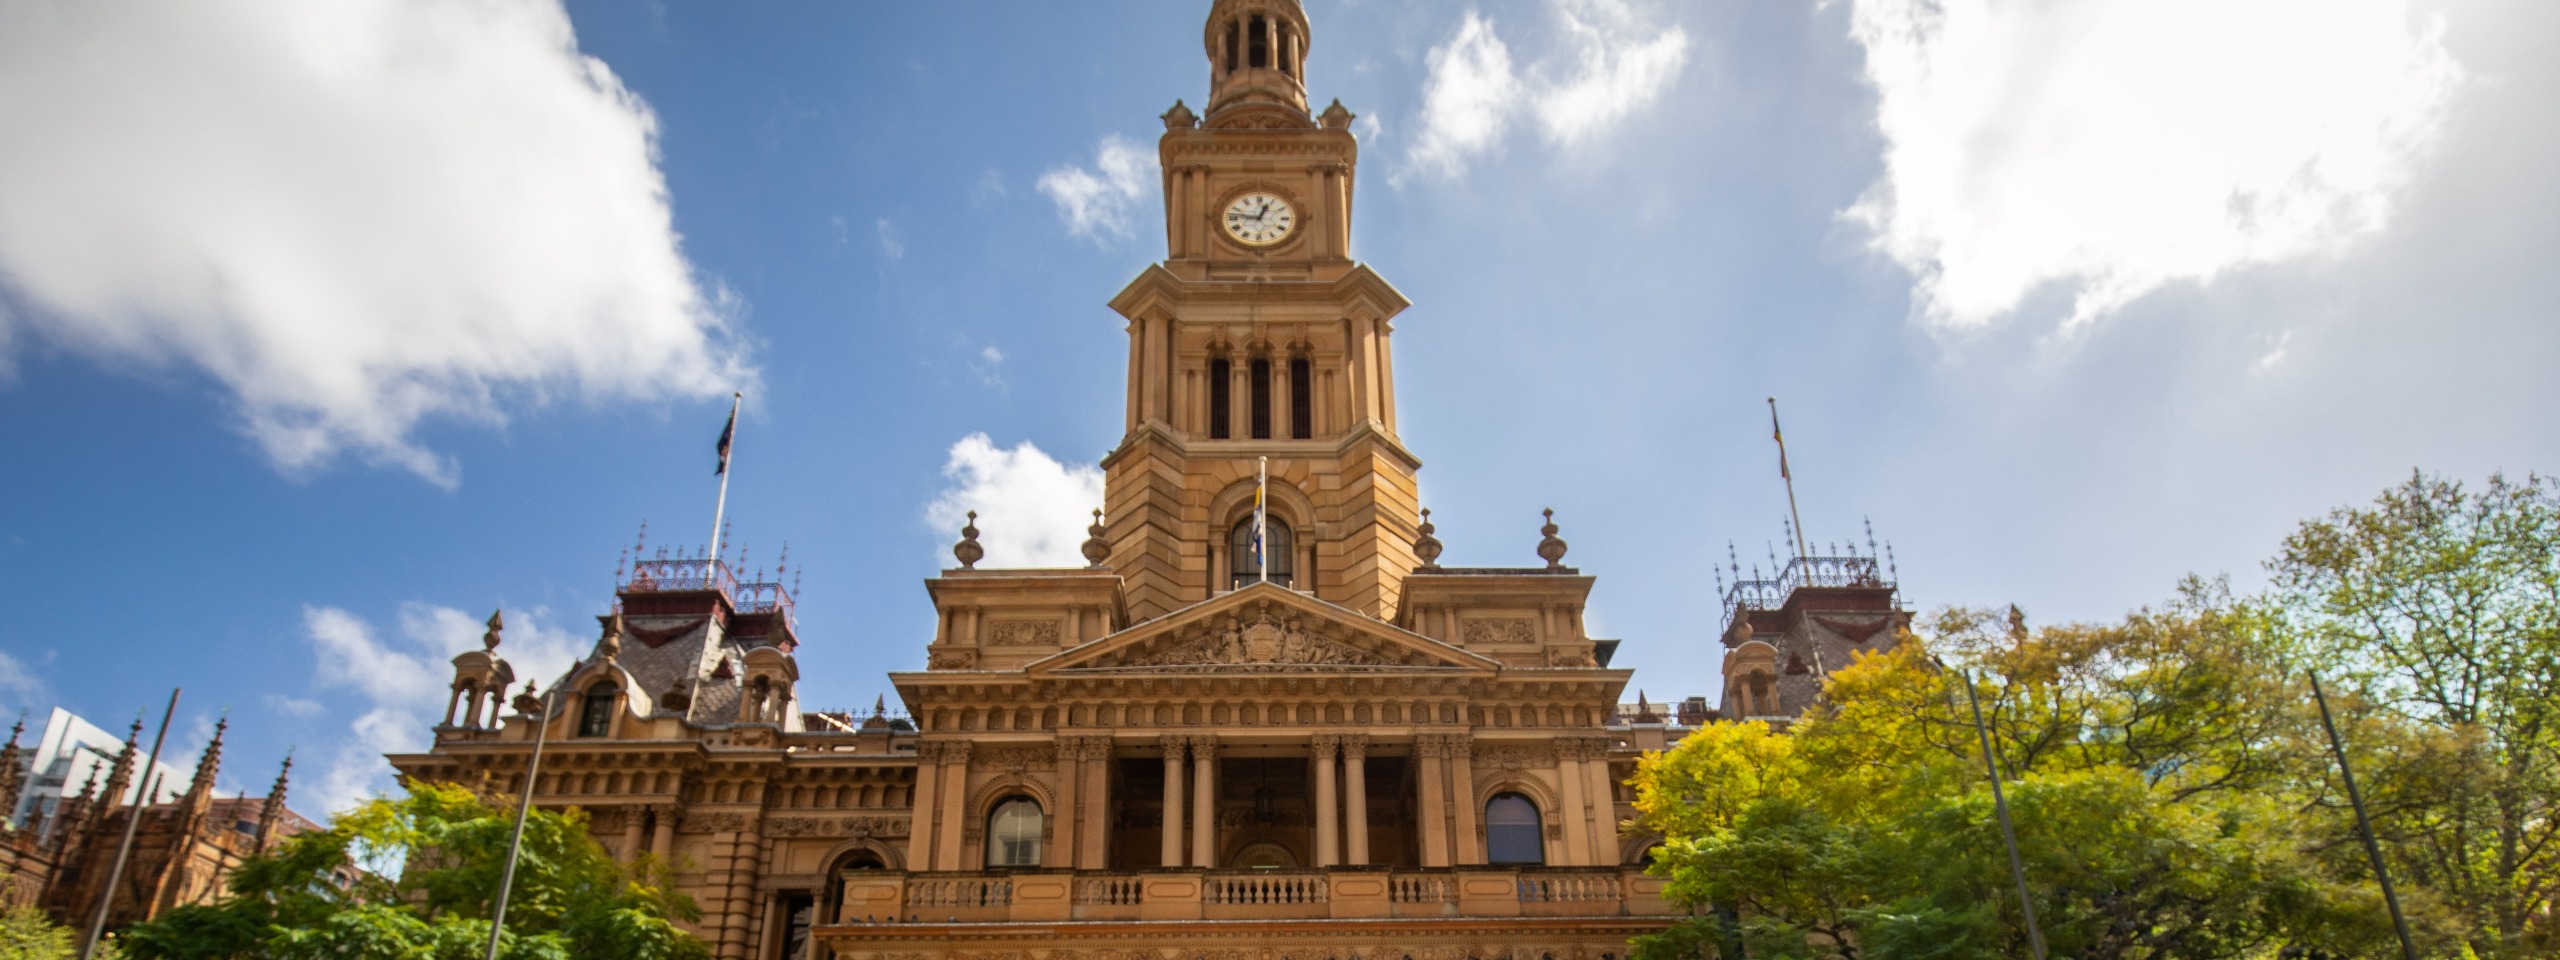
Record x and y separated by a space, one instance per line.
1263 629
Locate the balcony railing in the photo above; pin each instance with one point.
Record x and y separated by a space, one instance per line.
1042 896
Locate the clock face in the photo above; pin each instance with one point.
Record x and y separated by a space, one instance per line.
1260 219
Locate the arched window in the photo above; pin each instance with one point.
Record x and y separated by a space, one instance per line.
595 711
1277 547
1511 833
1013 833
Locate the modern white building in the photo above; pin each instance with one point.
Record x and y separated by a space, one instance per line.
69 752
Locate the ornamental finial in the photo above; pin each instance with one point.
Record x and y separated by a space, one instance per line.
1551 547
1096 549
967 550
1426 547
497 623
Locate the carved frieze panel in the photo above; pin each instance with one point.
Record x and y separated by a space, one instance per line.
1024 633
951 660
857 827
1569 657
1498 630
1513 756
1260 640
1019 759
713 823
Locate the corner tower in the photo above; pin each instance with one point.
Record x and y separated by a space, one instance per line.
1258 336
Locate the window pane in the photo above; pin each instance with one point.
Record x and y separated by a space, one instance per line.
1277 547
1221 384
1511 833
1301 400
1261 372
595 717
1013 834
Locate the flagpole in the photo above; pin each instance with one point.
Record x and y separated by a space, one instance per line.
2372 849
524 809
1261 531
721 509
133 819
1783 474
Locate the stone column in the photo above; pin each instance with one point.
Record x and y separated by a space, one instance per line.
1604 803
1096 834
923 803
1058 849
631 817
1204 800
1433 752
1575 819
1174 745
1462 799
955 795
1328 834
662 842
1355 786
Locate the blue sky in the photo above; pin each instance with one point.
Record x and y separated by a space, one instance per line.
326 334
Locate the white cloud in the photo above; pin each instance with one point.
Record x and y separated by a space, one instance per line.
1467 98
1096 203
1617 63
355 215
1032 509
890 246
403 682
19 689
989 366
292 706
2115 146
1620 64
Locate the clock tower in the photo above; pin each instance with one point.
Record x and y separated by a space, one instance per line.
1258 339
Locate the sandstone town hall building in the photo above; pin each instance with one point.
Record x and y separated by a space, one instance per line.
1176 752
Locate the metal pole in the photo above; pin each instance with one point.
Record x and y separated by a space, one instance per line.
1261 529
2008 831
524 808
2372 848
124 848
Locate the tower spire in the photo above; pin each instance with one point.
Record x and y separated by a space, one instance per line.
272 810
200 790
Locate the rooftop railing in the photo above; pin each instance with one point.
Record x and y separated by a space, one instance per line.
1772 593
690 574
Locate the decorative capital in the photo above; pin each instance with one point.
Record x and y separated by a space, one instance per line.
1355 746
1327 746
1204 746
1174 744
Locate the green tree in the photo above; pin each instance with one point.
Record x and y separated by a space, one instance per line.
2438 610
570 899
2147 765
27 934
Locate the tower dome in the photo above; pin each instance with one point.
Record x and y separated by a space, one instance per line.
1257 63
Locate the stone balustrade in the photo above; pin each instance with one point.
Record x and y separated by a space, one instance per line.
1046 896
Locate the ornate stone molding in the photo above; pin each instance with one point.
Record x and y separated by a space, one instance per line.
1018 759
713 823
1262 640
951 660
856 827
1515 756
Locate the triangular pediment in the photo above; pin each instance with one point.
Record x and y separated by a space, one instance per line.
1262 629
